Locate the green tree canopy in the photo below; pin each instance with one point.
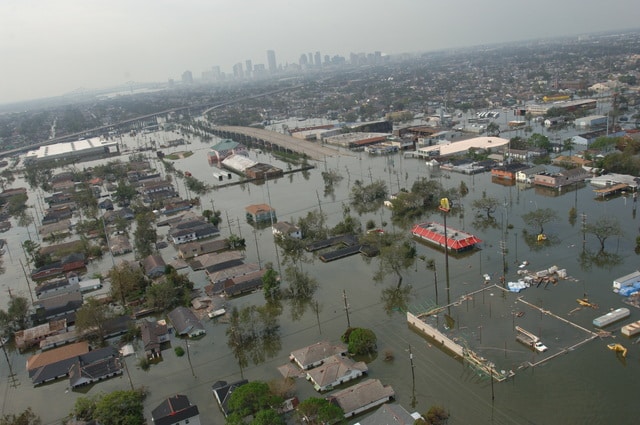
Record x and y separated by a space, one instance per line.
604 227
145 235
319 411
91 317
360 341
249 399
486 204
27 417
539 217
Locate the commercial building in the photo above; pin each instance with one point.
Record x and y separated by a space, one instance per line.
87 147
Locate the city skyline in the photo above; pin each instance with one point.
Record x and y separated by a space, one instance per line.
49 51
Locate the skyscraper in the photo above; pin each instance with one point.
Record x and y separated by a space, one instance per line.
271 61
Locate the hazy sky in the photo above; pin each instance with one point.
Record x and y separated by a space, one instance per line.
51 47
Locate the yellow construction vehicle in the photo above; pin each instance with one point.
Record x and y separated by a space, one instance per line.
618 348
585 303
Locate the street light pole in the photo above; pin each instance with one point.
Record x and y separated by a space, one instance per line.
445 208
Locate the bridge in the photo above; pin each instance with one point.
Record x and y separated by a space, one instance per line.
275 141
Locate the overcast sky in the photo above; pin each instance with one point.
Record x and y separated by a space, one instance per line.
51 47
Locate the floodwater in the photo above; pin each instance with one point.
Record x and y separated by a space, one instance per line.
587 385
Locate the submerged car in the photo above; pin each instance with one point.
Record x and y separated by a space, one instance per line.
540 347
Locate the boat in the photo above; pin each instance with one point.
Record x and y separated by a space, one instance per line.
618 348
611 317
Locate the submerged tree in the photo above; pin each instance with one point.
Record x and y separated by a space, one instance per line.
368 198
486 204
397 253
145 235
540 217
604 227
318 411
253 334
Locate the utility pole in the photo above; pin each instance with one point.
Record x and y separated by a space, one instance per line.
27 279
186 342
584 231
346 308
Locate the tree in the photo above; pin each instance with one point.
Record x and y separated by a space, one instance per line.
145 235
236 242
604 227
540 217
253 334
126 281
312 226
124 193
493 129
18 311
27 417
488 204
436 415
120 408
396 254
249 399
540 141
319 411
360 341
91 317
268 417
368 198
271 283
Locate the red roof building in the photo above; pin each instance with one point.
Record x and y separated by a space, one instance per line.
434 232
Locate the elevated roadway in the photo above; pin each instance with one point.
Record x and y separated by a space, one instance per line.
275 141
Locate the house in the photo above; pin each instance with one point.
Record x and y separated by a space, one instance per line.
507 171
56 214
56 286
106 204
72 262
260 213
314 355
173 207
215 262
57 363
31 337
148 187
222 392
176 410
154 266
362 396
334 371
390 413
284 228
153 334
57 305
191 229
243 284
186 323
526 175
89 285
120 245
563 178
94 366
193 249
219 277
